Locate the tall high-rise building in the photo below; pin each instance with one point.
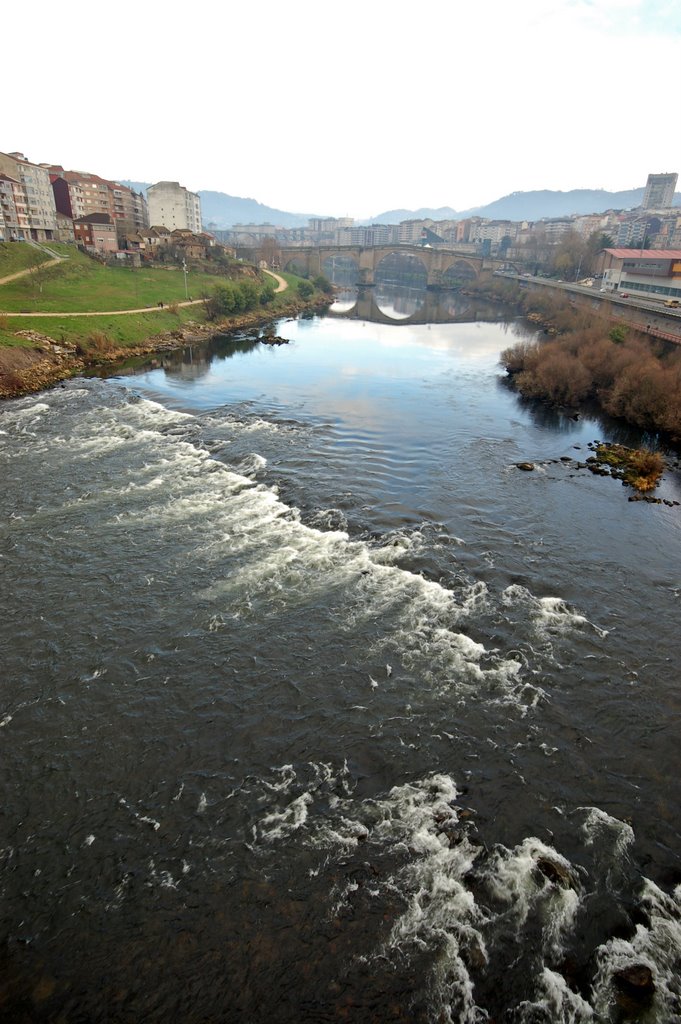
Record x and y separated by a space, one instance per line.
173 206
659 193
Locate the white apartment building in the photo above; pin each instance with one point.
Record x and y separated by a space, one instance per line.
173 206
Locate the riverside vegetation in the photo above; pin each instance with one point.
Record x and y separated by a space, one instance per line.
40 350
582 358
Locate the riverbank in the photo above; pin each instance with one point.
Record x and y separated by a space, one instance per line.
583 358
38 360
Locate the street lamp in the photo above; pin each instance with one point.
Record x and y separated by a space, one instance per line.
184 267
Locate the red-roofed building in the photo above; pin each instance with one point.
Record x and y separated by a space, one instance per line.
96 231
646 273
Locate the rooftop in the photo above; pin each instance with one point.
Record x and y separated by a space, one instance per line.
645 254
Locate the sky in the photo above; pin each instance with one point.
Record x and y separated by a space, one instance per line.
352 108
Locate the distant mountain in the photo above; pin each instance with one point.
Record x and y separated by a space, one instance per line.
220 210
530 206
546 203
425 212
223 211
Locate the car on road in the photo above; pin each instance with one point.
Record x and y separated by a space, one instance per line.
672 303
624 295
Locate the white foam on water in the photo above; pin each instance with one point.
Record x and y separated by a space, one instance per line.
552 616
418 822
417 829
515 877
656 946
313 782
598 824
252 465
162 877
555 1003
261 558
282 823
140 817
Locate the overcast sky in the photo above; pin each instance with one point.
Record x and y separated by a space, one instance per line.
349 108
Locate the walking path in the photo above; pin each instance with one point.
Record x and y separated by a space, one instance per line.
110 312
281 283
30 270
281 286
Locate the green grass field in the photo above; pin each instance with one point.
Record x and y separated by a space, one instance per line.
16 256
80 284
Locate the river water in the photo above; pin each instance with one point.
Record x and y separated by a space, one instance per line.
316 708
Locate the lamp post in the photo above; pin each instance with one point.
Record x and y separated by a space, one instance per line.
184 268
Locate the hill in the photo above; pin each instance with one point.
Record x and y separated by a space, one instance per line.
531 206
424 212
220 210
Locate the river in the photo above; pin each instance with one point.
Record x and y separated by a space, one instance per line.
316 708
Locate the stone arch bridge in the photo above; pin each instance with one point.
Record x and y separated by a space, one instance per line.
311 260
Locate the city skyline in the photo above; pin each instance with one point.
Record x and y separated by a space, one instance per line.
367 111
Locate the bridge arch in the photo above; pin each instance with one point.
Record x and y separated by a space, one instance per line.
341 269
459 271
310 261
296 263
393 262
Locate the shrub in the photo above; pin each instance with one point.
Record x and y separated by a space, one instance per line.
323 284
96 343
305 289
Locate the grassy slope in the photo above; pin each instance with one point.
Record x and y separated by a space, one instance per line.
16 256
80 284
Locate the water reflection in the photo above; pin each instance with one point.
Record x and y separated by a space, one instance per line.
400 285
398 302
341 270
345 300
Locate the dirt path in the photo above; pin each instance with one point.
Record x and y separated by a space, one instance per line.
281 283
111 312
281 287
29 270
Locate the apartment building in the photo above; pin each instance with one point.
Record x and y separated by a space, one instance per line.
79 194
173 206
659 193
13 214
35 214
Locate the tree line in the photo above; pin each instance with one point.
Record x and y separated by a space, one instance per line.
583 357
